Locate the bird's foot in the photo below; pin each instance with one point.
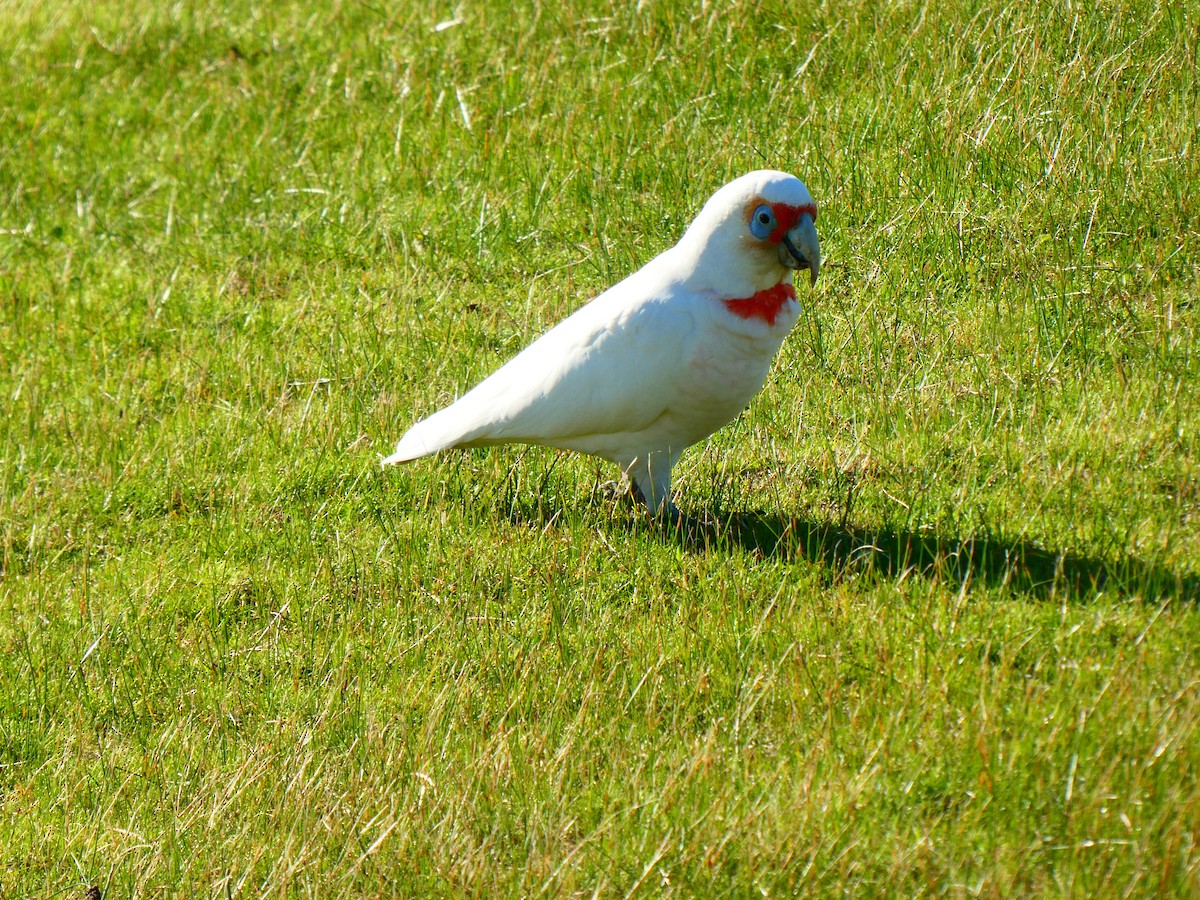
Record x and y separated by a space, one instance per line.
671 515
672 518
613 490
622 493
697 532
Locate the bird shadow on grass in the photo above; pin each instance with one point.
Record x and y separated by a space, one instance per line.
898 554
844 551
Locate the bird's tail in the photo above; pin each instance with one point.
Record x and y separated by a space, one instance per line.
438 432
417 442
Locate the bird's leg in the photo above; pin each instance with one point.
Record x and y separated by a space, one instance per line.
651 477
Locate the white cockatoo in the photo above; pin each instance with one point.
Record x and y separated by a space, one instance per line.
661 360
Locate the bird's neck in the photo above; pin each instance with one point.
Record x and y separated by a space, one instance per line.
710 265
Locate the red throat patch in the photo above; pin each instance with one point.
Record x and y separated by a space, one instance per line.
764 305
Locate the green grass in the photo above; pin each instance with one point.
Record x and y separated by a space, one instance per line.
942 637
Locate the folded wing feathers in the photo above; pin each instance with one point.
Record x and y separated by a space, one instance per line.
562 386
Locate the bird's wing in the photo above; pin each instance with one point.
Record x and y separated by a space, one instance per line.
612 367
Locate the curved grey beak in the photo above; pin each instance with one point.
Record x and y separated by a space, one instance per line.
800 248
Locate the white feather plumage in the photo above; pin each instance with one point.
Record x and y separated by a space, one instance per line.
660 360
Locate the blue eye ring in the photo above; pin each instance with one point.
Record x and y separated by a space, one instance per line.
762 222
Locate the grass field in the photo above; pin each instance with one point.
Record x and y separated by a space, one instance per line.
940 633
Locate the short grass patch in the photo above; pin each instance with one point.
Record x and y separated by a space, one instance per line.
939 635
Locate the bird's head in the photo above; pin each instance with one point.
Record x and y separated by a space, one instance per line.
752 234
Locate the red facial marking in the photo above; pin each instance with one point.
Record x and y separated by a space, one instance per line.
764 305
787 216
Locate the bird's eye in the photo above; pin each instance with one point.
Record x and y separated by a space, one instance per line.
762 222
